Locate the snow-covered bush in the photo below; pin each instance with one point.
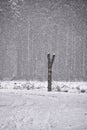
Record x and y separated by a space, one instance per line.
71 87
17 86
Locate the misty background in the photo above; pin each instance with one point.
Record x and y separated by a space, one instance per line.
29 29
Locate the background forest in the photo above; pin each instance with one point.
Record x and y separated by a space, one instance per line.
29 29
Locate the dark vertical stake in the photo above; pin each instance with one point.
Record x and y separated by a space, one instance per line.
50 63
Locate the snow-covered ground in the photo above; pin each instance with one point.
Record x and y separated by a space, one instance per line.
37 109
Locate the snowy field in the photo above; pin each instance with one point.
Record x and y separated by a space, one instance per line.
36 109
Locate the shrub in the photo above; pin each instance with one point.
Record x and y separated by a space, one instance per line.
78 88
58 88
83 91
0 86
65 91
29 86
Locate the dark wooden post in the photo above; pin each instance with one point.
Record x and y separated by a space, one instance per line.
50 63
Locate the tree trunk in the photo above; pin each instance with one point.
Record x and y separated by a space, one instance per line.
50 63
